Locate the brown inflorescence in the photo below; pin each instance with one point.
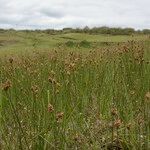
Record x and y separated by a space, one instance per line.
147 95
11 60
6 85
117 123
114 112
34 89
59 116
50 108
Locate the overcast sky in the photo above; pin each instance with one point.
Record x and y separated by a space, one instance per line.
58 14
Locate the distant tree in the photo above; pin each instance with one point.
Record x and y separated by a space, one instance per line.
2 30
129 31
86 29
11 30
146 31
67 30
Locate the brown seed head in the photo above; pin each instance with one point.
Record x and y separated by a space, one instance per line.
6 85
50 108
59 116
35 89
72 65
129 126
147 95
117 123
114 111
140 121
11 60
76 137
50 79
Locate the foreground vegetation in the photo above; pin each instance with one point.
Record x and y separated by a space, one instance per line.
64 99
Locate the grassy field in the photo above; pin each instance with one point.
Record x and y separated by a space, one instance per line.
25 42
74 91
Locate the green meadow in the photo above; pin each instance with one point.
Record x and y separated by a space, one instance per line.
74 91
21 41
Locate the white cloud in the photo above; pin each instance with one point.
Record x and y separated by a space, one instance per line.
74 13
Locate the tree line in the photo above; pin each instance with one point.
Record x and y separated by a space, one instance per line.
94 30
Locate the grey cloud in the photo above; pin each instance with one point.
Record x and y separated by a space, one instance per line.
74 13
52 12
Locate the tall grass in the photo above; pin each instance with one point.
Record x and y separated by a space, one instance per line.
67 100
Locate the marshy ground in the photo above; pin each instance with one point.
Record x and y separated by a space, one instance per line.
74 91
